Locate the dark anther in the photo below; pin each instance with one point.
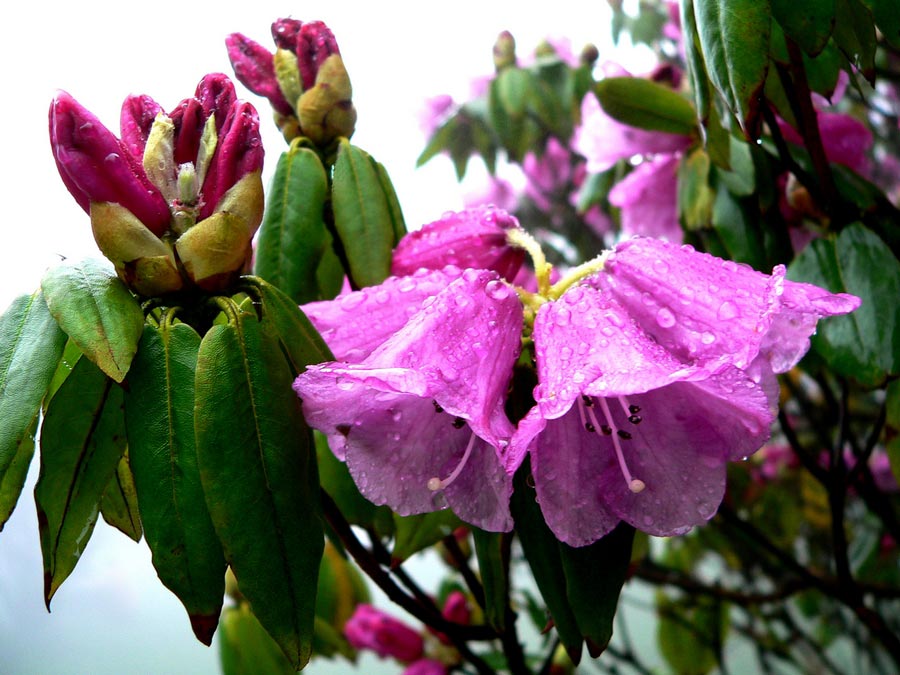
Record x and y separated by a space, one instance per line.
343 429
590 427
635 419
459 423
624 435
587 400
607 430
437 407
634 409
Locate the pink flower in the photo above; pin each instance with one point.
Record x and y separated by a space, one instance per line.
652 375
474 238
419 417
648 199
426 667
370 628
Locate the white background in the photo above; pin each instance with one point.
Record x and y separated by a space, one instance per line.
112 615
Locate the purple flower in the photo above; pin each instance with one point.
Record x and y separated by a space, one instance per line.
548 175
370 628
419 419
648 199
845 139
474 238
604 141
623 430
705 309
426 667
177 200
652 375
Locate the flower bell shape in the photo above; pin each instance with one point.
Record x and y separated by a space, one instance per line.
475 237
420 419
622 430
175 202
710 311
304 80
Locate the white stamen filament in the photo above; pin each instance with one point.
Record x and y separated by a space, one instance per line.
623 401
634 484
435 484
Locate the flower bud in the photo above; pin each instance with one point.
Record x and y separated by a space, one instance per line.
370 628
315 43
253 67
475 237
504 51
176 202
326 111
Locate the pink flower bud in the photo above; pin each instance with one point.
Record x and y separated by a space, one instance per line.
474 238
370 628
315 43
254 68
426 667
97 167
456 609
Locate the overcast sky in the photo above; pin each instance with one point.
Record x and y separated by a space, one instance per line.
112 615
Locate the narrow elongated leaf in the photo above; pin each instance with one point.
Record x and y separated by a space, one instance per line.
700 85
300 340
887 18
119 505
397 220
594 577
293 237
97 311
493 563
159 413
646 104
31 345
362 216
807 22
864 344
734 39
854 34
13 479
82 441
542 552
258 472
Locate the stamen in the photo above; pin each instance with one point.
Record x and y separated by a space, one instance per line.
437 407
634 484
587 425
435 483
631 411
459 423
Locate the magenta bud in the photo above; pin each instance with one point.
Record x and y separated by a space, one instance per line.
370 628
475 237
315 43
254 68
456 609
96 167
138 113
239 152
285 32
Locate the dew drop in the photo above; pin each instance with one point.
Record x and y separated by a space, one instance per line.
707 338
727 311
497 289
351 300
661 266
665 318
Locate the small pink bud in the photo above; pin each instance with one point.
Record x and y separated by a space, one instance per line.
254 68
315 43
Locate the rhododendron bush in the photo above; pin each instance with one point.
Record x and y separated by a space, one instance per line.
659 349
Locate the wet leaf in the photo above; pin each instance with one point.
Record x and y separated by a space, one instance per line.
119 506
647 105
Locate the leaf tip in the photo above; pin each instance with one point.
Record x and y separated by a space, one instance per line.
204 626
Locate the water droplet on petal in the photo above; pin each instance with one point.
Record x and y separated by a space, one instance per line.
728 310
707 338
497 289
665 318
350 301
661 266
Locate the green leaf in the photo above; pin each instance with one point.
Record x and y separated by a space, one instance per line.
97 311
887 18
854 34
293 237
691 635
246 649
493 563
159 414
119 506
13 479
31 345
695 196
594 577
82 441
740 179
699 78
362 216
299 339
647 105
397 221
416 533
544 557
734 39
807 22
892 424
865 344
514 90
259 475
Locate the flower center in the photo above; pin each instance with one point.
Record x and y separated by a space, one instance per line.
591 424
435 484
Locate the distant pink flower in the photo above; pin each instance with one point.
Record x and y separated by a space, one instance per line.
846 140
548 175
426 667
648 199
370 628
